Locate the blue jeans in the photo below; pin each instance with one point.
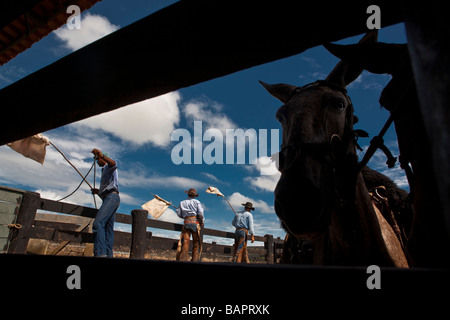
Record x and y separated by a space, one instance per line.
103 227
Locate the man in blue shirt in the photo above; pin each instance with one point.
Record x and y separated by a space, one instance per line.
191 211
243 222
103 227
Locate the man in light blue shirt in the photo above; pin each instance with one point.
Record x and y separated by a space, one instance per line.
191 211
243 222
103 227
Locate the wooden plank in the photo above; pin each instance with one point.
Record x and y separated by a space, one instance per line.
207 232
56 225
218 233
61 235
61 218
120 238
123 218
164 225
65 243
184 44
68 208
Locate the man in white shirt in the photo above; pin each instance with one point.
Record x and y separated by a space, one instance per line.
243 222
191 211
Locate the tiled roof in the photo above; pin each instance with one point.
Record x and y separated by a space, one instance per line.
23 23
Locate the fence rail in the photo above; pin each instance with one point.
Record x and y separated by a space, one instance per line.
19 208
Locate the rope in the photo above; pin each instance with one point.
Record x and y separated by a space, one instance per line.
15 226
83 177
71 165
377 141
95 173
229 204
93 166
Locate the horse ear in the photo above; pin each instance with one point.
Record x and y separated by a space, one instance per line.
374 57
345 73
281 91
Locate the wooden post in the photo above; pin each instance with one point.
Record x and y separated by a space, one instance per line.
427 32
25 218
269 247
138 233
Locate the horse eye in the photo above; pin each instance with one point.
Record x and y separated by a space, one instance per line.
338 104
281 118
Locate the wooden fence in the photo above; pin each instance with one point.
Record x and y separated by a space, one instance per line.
19 222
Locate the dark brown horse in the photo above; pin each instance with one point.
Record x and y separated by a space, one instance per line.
321 195
429 242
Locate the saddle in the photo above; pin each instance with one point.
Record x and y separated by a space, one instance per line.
381 202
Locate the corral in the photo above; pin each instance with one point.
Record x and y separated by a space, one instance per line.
51 233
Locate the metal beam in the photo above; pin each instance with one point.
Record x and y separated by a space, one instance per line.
179 46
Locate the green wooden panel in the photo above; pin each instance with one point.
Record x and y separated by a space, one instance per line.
4 231
10 201
6 219
8 208
4 243
10 196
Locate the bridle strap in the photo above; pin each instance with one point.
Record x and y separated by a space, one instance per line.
320 83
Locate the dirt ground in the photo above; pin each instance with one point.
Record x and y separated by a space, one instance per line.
256 255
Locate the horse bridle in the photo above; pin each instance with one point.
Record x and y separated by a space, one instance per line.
324 150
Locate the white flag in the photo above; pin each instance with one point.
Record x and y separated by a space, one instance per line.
214 190
33 147
156 207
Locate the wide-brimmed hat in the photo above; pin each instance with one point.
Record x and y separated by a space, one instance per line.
192 192
248 205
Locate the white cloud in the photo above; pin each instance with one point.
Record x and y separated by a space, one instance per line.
312 62
267 181
148 121
93 27
370 81
18 170
56 178
209 112
138 176
237 199
264 183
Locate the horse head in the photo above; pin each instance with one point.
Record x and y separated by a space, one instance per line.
317 147
429 236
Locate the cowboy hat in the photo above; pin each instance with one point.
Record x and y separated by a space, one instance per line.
192 192
248 205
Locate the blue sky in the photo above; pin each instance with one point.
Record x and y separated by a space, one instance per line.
139 136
